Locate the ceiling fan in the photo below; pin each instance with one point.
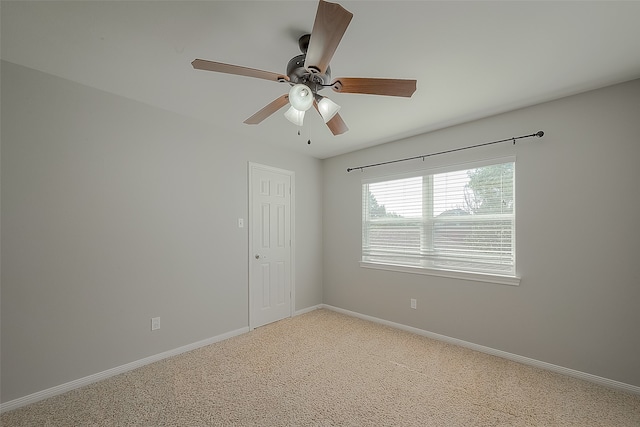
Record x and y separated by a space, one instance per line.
309 73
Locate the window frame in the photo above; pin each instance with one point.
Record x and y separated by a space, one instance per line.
507 279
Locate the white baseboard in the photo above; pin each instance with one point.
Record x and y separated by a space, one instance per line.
488 350
81 382
307 310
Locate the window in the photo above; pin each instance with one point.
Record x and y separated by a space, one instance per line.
453 221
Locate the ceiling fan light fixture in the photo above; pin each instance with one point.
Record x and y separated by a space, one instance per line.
327 109
294 116
300 97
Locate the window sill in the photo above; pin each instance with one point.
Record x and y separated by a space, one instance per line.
476 277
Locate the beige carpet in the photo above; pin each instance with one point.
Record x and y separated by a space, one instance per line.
328 369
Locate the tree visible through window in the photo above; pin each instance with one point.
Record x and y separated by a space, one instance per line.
487 191
461 220
377 210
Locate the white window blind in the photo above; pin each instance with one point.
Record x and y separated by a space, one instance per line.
461 220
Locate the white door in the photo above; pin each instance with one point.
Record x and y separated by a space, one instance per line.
270 273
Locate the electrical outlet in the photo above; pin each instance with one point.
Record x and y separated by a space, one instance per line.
155 323
240 222
414 303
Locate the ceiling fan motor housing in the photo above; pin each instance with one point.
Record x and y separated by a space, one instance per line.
298 74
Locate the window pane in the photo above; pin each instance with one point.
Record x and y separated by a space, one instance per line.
398 198
491 189
449 192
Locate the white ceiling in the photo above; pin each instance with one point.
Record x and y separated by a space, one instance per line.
471 59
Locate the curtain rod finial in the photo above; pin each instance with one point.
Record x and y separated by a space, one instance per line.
540 134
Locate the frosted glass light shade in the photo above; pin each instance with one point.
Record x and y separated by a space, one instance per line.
300 97
294 116
327 109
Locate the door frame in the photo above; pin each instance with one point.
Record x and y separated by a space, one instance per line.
251 167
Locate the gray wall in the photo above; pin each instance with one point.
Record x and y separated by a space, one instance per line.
578 207
114 212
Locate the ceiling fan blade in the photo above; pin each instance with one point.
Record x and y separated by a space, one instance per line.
271 108
203 64
389 87
336 125
330 25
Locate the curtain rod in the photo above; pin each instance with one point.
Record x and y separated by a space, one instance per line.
539 134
